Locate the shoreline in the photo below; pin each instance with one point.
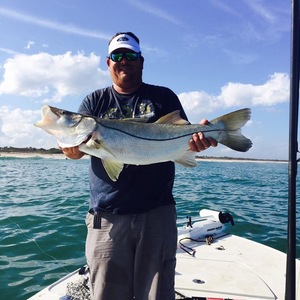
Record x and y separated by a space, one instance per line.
32 155
237 160
198 159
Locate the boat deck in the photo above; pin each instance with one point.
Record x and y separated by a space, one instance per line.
232 268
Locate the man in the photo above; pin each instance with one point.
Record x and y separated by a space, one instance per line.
132 233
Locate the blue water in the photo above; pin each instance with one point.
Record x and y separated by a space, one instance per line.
43 203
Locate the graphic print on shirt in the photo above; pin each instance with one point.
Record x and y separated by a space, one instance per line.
140 109
146 109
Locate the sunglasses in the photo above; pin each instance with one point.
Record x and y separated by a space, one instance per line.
130 56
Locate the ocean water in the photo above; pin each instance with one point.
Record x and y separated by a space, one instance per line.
43 203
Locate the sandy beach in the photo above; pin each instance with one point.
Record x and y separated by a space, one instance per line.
31 154
229 160
62 156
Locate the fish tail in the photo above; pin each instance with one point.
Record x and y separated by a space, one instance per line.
232 123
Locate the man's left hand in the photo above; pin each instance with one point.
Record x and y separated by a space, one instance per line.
199 142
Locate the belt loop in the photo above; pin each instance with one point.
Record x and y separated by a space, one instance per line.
97 220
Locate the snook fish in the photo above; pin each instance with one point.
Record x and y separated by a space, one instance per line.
128 141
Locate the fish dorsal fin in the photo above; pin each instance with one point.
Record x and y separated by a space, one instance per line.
113 168
172 118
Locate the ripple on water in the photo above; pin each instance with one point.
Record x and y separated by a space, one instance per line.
43 204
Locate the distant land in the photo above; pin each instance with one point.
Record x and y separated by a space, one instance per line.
40 151
29 150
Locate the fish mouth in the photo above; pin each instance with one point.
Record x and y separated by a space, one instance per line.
55 111
72 118
52 116
48 117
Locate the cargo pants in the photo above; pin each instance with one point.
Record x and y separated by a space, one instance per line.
132 256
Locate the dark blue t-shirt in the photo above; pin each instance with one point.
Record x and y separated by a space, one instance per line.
138 188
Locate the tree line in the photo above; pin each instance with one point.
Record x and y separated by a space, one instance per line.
29 150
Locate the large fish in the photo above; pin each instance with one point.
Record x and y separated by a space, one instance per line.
128 141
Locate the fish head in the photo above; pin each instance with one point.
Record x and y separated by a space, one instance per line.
70 129
53 118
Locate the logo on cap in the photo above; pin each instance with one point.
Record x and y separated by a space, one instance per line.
122 39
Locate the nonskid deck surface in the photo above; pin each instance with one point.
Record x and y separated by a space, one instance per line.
230 267
211 264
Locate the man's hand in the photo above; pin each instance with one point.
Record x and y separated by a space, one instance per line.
199 142
72 152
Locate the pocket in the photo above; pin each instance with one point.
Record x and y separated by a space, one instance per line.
89 220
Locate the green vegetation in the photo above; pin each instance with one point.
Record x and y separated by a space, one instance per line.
30 150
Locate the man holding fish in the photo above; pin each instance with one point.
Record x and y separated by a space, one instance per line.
132 233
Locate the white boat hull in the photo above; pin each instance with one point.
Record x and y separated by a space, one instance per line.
224 266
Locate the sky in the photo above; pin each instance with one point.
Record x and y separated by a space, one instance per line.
216 55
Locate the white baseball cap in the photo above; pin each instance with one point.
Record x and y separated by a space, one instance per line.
123 40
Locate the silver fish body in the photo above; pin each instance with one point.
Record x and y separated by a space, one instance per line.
118 142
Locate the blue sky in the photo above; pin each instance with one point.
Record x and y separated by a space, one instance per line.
217 56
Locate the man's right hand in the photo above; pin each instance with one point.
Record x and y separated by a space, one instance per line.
72 152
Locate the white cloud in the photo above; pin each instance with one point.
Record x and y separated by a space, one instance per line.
17 129
48 78
196 103
274 91
29 44
155 11
240 58
8 51
66 28
52 77
226 8
261 10
16 125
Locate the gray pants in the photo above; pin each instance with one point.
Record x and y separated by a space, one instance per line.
132 256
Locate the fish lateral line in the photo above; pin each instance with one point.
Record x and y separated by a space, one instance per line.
157 139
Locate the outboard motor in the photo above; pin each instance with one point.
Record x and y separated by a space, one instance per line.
211 223
226 217
223 217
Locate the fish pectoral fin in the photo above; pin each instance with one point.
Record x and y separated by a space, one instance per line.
187 160
113 168
95 143
172 118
